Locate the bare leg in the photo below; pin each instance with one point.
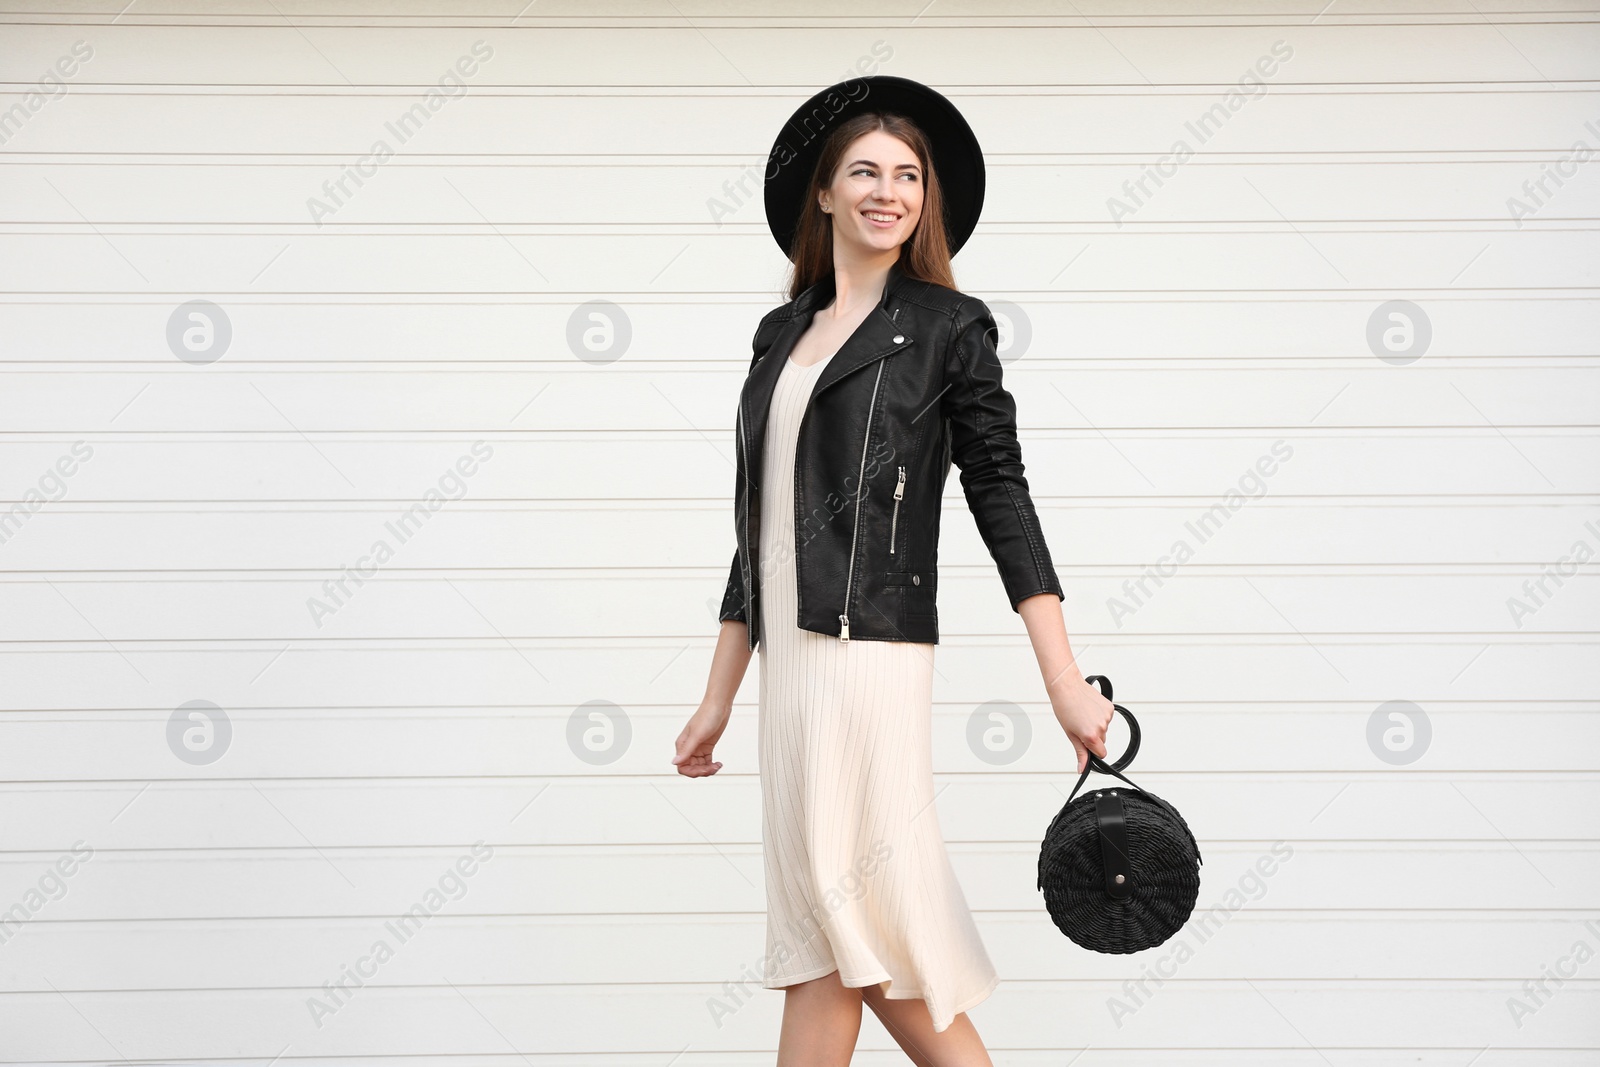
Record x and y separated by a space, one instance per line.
910 1024
821 1021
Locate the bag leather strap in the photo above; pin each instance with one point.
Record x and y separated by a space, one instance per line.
1113 827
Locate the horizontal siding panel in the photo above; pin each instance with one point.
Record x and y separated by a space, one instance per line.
678 54
1279 666
451 1018
669 950
688 327
1312 744
1392 187
210 613
476 536
517 260
580 72
297 881
399 812
235 407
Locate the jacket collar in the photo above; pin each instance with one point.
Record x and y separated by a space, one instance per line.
878 335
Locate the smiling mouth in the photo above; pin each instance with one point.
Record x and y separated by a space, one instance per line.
885 217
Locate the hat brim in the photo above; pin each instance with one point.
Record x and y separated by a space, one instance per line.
957 158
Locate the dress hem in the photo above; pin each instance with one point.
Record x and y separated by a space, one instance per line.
891 993
970 1002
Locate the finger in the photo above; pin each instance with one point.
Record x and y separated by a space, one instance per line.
1083 759
703 765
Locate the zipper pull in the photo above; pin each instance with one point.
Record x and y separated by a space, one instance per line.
844 627
900 485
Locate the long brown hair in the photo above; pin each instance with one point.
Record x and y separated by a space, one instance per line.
925 255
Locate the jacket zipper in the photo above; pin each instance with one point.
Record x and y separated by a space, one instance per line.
855 533
899 491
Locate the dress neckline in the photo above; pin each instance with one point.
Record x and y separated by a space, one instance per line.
789 359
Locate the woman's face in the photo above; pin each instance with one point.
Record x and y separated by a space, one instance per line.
876 195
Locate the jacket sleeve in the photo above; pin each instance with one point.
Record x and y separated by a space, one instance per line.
733 595
982 422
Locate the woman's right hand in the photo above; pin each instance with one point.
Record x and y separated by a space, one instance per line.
693 758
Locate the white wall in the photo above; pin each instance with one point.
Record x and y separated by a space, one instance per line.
585 562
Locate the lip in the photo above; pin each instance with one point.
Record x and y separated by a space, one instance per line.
879 224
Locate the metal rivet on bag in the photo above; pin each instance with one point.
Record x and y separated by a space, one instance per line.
1120 879
916 579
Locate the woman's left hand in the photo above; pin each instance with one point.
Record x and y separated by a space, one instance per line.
1080 708
1084 714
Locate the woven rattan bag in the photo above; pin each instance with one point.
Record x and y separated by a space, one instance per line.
1119 868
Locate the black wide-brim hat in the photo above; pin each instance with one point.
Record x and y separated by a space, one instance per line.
957 159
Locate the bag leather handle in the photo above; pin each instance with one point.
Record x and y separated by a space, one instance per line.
1132 750
1095 763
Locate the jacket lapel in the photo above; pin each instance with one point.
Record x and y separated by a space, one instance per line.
876 337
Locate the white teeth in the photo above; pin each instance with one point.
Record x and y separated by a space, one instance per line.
879 216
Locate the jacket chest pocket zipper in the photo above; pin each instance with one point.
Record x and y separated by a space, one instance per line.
894 520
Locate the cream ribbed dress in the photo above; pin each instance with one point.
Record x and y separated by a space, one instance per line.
857 874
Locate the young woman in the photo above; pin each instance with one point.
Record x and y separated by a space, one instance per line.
863 389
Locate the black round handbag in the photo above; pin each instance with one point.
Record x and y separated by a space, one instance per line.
1119 868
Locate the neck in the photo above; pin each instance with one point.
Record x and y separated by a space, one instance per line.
859 280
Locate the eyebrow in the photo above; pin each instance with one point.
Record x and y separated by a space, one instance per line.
870 163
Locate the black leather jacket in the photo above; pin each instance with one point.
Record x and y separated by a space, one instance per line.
917 385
